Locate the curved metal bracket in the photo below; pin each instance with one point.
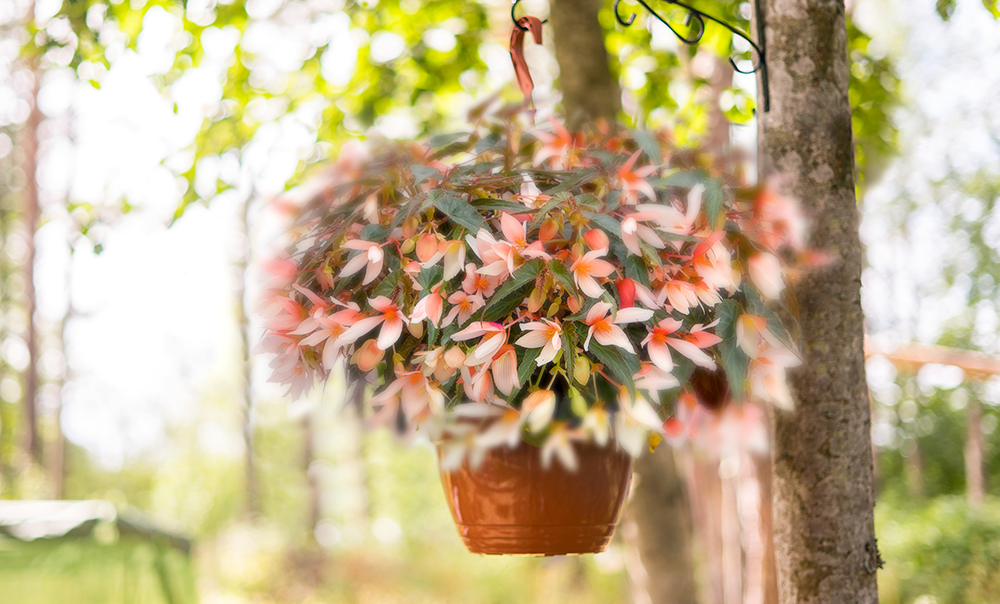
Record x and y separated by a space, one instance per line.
513 16
696 16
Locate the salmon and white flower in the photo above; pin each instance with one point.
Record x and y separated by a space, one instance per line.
545 334
440 362
560 444
662 337
597 425
635 418
463 305
478 284
329 330
429 307
765 272
538 409
767 376
410 392
453 253
371 259
752 332
494 336
633 230
654 379
670 219
606 331
634 181
588 268
390 318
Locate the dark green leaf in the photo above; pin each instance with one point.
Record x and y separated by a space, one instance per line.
571 183
501 205
714 198
649 145
569 350
544 211
589 200
734 361
422 173
607 223
562 273
374 232
459 212
621 364
513 291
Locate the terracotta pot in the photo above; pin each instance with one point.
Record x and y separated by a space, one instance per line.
510 504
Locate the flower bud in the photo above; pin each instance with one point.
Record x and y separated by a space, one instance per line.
581 369
427 246
416 328
549 229
369 356
596 239
408 246
535 300
626 291
410 226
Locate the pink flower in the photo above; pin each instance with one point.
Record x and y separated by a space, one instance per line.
682 295
752 332
670 219
607 332
501 258
654 379
464 305
411 392
558 147
660 337
493 335
765 272
538 409
634 419
587 269
474 283
767 376
429 307
453 253
634 181
544 334
391 320
331 328
371 258
632 231
560 444
440 363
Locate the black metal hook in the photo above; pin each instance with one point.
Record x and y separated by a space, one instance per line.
513 16
693 13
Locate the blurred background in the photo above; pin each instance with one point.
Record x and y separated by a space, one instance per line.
149 150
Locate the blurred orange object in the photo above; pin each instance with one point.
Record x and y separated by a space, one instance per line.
512 504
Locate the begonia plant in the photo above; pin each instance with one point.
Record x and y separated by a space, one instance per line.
578 286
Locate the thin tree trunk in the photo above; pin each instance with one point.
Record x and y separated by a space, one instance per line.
249 469
589 90
29 145
975 484
823 468
660 508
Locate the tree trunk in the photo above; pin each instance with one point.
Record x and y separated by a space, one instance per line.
29 144
660 508
975 485
249 469
589 90
823 467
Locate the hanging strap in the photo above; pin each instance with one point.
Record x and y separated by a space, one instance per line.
524 24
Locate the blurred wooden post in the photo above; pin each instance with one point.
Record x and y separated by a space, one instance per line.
910 357
974 480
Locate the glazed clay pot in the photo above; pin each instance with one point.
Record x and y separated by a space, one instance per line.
510 504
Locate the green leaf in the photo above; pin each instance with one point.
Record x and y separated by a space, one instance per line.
459 212
569 350
734 361
589 200
606 222
487 142
374 232
560 272
422 173
511 293
443 140
649 145
684 180
714 198
429 277
569 184
544 211
622 364
501 205
525 369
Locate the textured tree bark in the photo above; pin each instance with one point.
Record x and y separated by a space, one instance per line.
823 469
589 90
661 511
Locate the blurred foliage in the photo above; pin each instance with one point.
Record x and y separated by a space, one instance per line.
941 553
945 8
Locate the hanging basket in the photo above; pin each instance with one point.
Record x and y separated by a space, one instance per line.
511 504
